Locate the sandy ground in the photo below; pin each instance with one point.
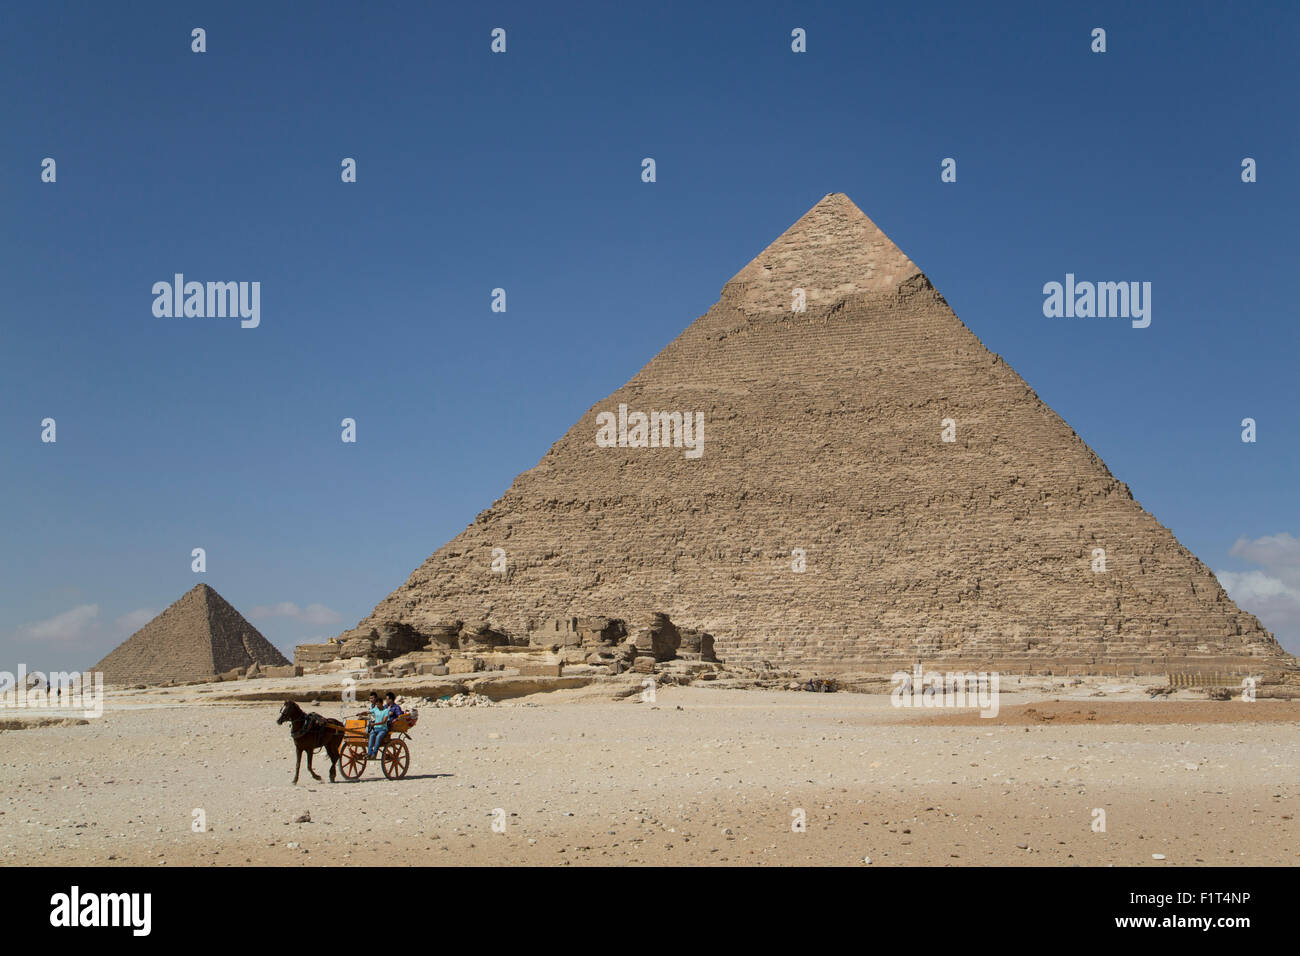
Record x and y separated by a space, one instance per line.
703 776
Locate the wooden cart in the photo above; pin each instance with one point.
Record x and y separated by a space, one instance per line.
394 754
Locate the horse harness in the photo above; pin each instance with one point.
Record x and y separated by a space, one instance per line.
308 723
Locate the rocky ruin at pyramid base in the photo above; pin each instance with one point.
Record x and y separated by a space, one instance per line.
610 646
1044 654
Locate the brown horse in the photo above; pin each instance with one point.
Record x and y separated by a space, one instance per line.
310 733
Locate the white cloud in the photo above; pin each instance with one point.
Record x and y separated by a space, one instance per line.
69 626
317 615
1279 553
1272 593
132 621
1256 586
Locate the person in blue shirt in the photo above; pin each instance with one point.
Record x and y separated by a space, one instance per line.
394 709
379 717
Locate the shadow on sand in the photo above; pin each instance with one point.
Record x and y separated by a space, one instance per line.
410 776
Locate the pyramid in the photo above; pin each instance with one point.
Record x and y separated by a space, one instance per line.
199 636
823 432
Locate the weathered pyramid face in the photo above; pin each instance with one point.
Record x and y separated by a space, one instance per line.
199 636
857 485
832 252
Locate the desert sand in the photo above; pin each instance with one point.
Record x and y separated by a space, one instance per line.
701 776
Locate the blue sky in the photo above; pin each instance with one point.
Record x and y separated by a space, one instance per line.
522 171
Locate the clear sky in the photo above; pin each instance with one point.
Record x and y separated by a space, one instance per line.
522 170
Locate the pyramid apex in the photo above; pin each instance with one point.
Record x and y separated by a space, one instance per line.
832 251
202 590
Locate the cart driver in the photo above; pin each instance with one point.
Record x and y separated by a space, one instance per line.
379 716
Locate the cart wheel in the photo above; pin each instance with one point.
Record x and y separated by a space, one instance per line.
396 759
352 761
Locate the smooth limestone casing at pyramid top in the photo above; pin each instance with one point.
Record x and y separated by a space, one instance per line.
198 636
822 432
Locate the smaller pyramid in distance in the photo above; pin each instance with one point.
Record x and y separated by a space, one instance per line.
199 636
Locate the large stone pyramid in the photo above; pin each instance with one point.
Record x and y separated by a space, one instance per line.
199 636
823 432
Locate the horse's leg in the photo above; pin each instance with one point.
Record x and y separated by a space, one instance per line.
297 767
309 769
332 748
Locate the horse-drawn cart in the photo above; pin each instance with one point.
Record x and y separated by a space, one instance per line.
395 755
